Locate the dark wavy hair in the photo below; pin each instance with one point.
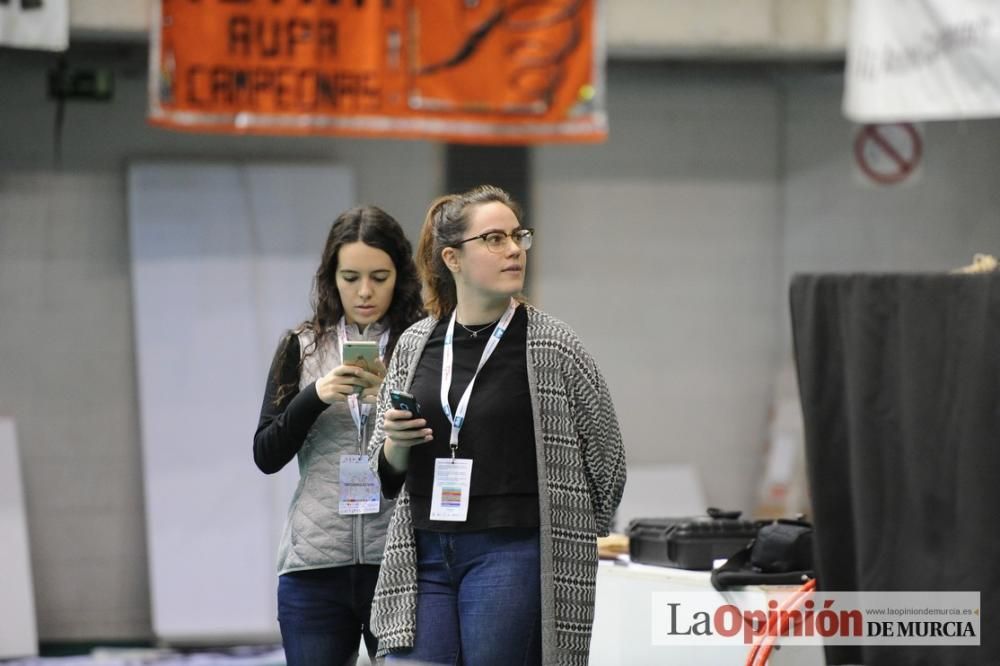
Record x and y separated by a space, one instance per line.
376 228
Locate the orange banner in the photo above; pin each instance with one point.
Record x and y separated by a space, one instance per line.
473 71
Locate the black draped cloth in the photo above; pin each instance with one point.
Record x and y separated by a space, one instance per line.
900 383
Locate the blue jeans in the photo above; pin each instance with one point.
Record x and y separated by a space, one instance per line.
478 599
323 613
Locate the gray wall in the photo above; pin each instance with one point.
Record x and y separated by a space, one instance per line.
661 248
67 371
68 380
837 222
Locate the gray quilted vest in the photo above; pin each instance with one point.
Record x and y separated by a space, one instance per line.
316 535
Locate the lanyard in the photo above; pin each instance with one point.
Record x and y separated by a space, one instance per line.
446 369
359 412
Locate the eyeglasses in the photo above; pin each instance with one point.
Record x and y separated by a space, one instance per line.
496 241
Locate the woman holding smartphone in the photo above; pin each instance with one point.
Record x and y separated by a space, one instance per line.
317 407
512 469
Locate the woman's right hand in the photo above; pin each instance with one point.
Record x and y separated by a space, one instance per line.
341 382
402 432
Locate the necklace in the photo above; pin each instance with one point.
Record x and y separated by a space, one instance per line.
476 331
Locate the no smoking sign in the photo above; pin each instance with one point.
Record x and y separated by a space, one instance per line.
888 154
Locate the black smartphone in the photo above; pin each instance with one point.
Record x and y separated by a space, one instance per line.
406 402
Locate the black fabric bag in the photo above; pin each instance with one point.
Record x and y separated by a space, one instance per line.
781 554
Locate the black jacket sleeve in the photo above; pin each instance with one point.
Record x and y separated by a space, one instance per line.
283 426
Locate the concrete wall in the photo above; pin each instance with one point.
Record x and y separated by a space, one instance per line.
661 248
837 220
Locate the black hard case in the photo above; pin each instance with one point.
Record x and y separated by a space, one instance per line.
688 543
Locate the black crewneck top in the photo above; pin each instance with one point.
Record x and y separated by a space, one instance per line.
497 434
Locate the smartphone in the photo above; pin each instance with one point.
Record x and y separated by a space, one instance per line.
361 353
405 402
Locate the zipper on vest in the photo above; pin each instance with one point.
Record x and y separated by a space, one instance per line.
359 532
358 539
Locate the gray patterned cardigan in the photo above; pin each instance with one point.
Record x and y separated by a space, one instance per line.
581 476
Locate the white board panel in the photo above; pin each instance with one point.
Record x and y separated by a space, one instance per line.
18 630
222 259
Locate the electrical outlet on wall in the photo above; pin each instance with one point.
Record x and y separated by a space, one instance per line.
83 83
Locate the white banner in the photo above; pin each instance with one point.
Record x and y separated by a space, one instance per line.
35 24
922 60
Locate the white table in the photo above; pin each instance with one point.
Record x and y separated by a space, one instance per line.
622 623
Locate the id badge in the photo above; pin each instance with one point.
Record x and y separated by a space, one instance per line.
450 495
359 487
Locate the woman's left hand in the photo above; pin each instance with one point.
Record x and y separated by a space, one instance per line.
373 374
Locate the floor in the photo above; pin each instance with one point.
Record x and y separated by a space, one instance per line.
245 656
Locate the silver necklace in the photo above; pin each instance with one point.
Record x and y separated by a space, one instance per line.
476 331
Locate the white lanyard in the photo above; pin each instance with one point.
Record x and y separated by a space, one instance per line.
446 369
359 412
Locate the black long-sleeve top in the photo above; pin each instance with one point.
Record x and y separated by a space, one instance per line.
283 427
498 432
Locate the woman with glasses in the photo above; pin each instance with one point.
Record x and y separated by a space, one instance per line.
317 407
512 468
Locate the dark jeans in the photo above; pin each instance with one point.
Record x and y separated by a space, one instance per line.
478 600
323 614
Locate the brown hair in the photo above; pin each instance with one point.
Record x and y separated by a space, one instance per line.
446 224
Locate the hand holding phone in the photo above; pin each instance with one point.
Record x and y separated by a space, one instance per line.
404 432
360 373
405 402
362 353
